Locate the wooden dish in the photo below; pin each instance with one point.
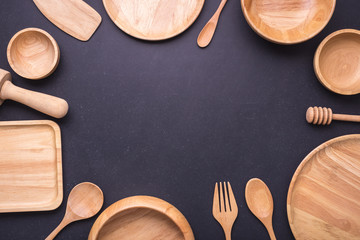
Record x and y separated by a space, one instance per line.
33 53
336 62
153 19
30 166
324 194
141 217
287 21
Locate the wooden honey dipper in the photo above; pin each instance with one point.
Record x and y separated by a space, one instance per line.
324 116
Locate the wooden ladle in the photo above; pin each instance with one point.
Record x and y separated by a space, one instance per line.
208 31
50 105
85 201
260 202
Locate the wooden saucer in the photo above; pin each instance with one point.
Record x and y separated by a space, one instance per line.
141 217
153 19
337 62
324 194
287 21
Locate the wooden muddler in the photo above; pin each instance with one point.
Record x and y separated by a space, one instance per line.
324 116
50 105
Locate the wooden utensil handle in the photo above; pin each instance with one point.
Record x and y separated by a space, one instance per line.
50 105
345 117
56 231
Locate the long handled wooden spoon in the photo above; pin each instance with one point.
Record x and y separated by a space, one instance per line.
324 116
260 202
85 200
208 31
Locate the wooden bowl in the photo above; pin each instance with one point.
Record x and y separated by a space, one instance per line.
287 21
141 217
337 60
33 53
324 194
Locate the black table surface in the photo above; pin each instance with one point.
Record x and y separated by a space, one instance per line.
169 119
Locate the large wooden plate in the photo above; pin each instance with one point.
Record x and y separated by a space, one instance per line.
324 195
141 217
30 166
153 19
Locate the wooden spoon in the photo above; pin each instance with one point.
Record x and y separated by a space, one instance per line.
85 200
208 31
260 202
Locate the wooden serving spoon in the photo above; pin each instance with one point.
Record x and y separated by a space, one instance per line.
208 31
85 201
260 202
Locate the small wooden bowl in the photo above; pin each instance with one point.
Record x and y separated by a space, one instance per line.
33 53
141 217
287 21
337 60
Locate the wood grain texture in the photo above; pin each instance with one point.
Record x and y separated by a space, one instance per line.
30 166
324 194
141 217
85 201
287 21
75 17
153 19
337 61
50 105
33 53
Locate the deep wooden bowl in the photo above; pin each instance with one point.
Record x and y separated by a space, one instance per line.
337 62
33 53
141 217
287 21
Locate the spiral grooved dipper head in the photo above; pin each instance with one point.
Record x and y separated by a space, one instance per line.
319 115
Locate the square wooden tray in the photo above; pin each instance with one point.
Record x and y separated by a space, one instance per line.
30 166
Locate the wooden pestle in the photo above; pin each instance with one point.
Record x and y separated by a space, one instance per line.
50 105
324 116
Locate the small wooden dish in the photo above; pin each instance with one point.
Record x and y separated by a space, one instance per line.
324 194
153 19
33 53
337 60
141 217
290 21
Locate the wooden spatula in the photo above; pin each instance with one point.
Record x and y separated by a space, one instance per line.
74 17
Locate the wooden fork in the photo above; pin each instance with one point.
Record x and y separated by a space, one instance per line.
227 211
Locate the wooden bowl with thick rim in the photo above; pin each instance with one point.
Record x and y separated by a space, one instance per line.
33 53
337 60
141 217
287 21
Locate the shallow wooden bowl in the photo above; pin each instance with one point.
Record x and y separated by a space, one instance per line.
324 194
141 217
337 62
33 53
287 21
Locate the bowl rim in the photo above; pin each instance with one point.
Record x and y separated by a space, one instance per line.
54 44
316 62
142 201
277 41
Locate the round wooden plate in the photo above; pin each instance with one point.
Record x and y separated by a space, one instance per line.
141 217
324 194
153 19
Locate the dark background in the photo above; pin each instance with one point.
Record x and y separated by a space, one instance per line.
169 119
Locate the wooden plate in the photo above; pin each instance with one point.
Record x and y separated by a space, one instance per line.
141 217
30 166
324 194
153 19
287 21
